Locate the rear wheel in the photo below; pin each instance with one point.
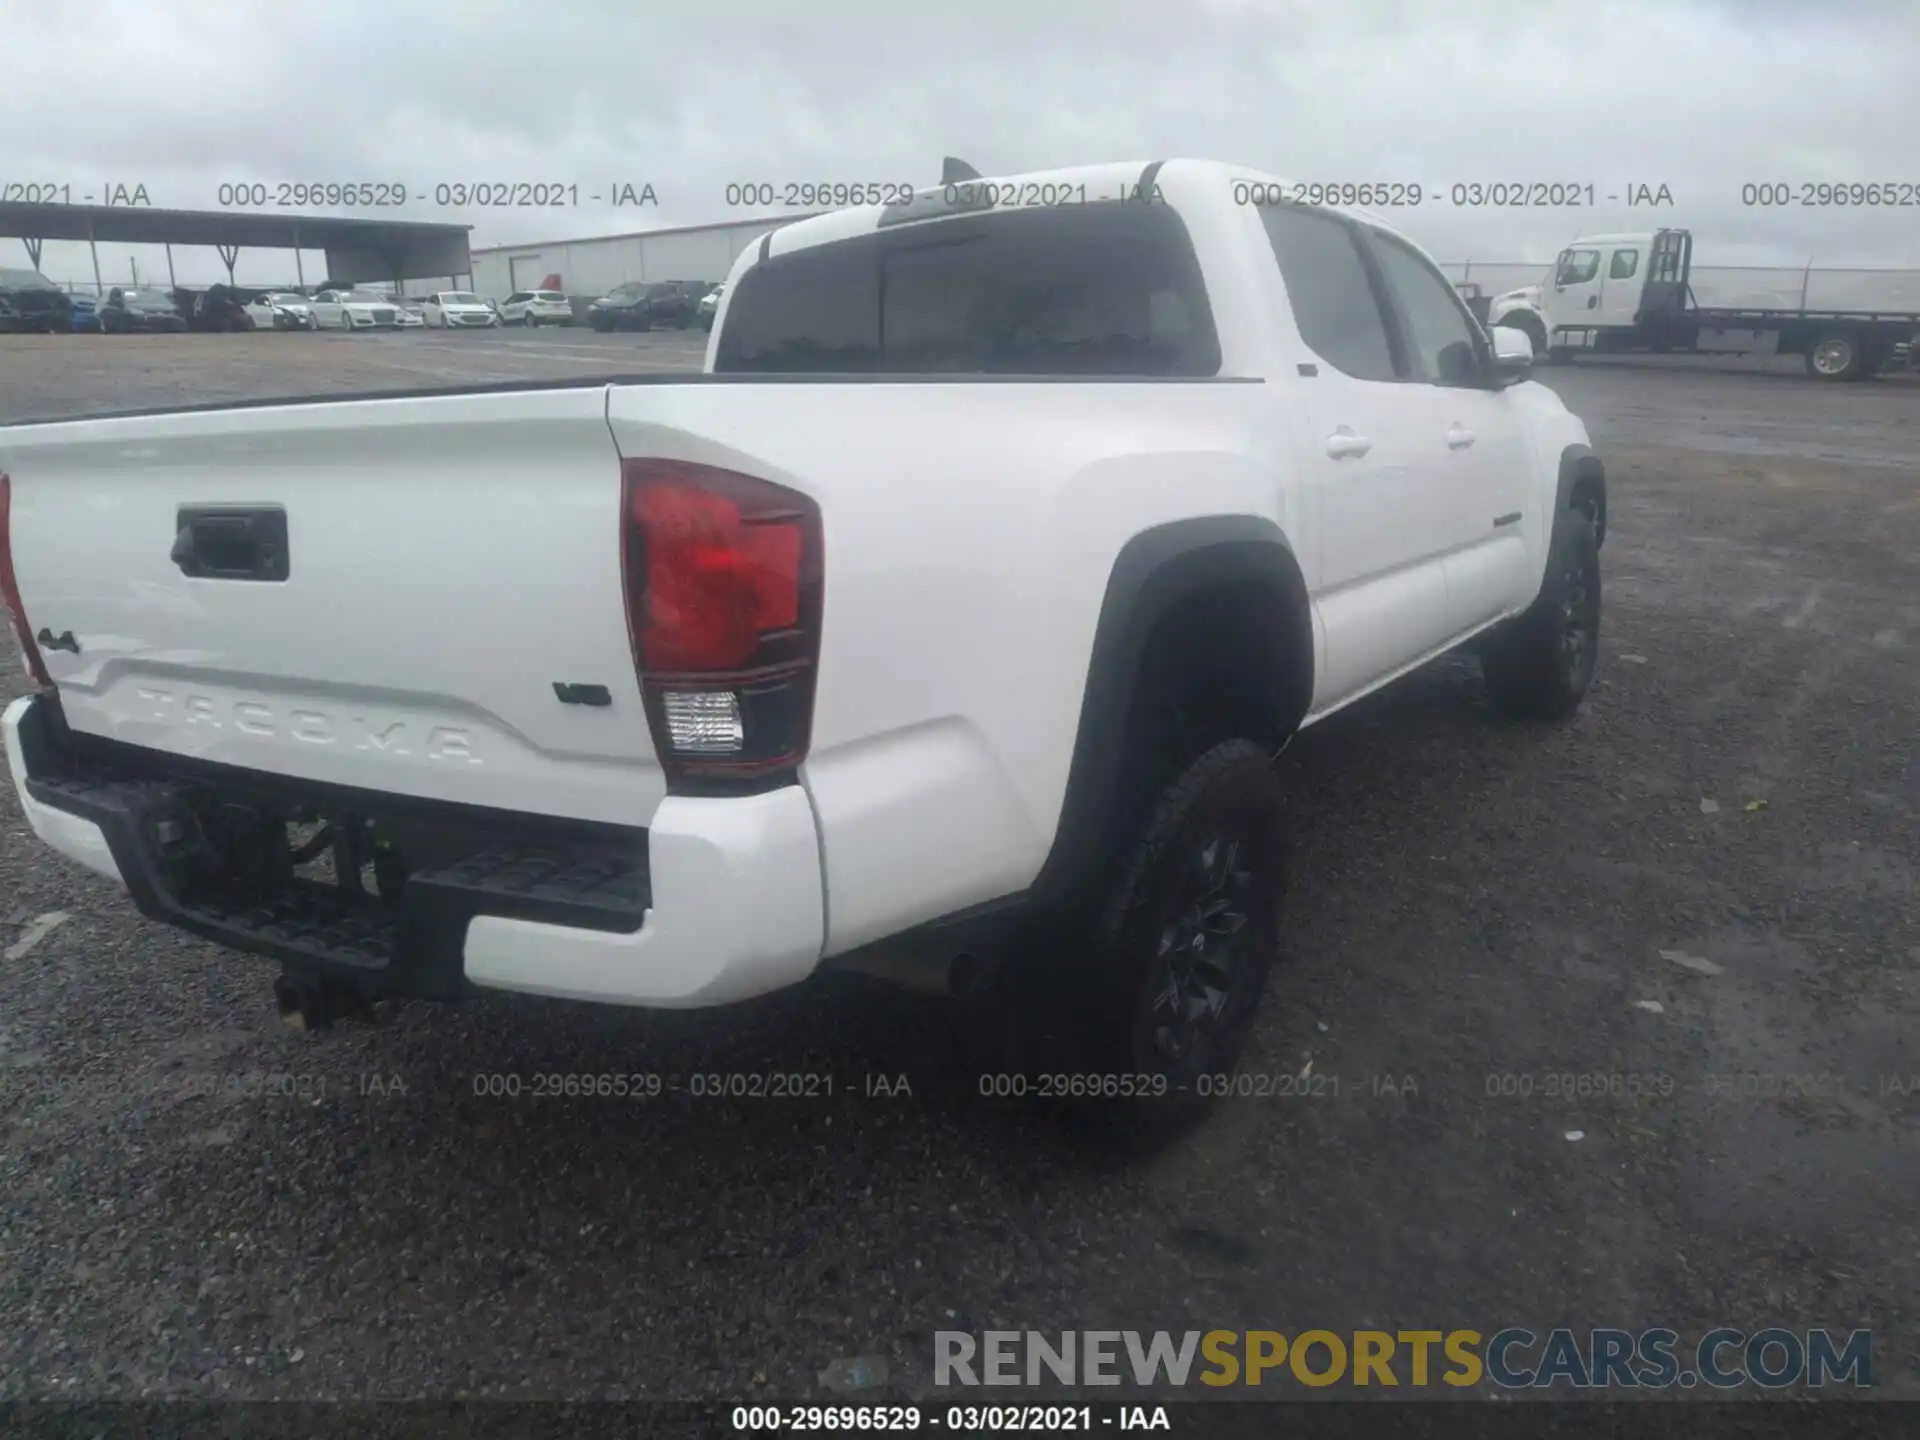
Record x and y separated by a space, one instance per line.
1540 664
1836 355
1133 1003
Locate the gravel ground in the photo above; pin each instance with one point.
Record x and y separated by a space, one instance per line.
1477 905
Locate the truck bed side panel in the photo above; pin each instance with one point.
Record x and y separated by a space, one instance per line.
970 532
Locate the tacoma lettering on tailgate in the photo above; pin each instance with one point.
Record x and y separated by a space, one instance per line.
311 727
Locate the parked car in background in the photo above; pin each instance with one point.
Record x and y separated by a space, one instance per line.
30 303
218 308
536 307
128 310
85 313
460 310
354 310
281 310
710 305
412 311
643 304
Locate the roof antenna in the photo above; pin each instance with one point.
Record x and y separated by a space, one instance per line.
953 171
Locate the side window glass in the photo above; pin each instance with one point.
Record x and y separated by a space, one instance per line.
1577 267
1333 301
1625 262
1440 333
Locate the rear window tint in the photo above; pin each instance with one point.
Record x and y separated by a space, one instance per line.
1102 289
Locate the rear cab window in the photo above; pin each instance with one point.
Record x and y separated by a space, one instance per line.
1333 300
1109 288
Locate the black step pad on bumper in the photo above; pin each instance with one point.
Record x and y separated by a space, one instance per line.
414 948
596 881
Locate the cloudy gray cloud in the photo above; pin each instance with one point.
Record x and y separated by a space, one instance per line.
1698 95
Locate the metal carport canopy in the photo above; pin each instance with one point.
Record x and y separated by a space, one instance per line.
356 249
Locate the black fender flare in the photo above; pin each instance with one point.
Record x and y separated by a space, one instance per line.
1580 469
1154 572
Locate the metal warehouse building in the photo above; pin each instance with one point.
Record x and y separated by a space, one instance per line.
593 267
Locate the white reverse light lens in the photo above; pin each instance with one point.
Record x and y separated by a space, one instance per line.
704 722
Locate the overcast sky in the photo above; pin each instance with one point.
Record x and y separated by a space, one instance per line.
688 95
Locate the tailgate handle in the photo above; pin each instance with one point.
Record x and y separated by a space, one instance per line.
230 542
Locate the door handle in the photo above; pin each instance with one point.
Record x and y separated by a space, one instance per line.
1459 438
231 543
1593 302
1343 443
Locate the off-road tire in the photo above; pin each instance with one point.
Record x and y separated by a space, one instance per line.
1117 1019
1540 664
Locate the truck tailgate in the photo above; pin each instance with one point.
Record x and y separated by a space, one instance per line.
447 562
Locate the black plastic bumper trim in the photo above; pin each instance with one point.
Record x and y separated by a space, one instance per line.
585 880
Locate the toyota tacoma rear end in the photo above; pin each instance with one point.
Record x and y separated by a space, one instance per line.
945 627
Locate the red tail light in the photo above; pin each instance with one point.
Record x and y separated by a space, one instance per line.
10 592
723 591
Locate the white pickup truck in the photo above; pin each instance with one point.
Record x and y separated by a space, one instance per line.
948 622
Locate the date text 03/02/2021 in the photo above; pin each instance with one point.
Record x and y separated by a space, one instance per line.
968 1419
455 194
1461 194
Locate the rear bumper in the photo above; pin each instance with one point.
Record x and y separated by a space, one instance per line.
718 900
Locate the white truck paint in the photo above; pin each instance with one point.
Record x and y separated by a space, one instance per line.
455 557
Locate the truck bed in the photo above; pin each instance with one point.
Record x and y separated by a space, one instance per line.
1738 318
617 380
422 573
